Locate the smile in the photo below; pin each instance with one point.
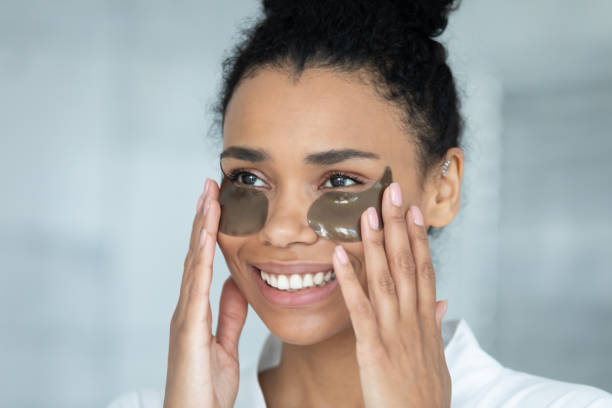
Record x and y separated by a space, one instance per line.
297 281
295 285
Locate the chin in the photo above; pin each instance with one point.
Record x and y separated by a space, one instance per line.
305 330
299 325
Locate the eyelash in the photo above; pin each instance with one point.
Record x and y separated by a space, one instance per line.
235 174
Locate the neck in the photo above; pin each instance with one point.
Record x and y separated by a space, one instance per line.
322 374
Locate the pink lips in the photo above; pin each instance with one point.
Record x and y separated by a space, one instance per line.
302 297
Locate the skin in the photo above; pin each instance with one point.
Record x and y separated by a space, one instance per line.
379 332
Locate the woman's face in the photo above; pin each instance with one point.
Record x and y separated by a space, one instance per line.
286 122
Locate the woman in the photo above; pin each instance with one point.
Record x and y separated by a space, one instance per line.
341 135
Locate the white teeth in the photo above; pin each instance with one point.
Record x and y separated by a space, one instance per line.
307 281
318 278
283 282
297 281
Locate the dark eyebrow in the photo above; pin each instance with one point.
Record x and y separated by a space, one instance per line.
336 156
245 153
321 158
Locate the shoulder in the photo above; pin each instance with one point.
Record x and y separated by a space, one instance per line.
478 380
148 398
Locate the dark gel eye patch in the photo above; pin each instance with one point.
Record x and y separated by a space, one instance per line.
334 215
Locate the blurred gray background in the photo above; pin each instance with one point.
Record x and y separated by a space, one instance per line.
103 122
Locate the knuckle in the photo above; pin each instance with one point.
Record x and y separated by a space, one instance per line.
421 235
403 261
198 289
376 238
178 326
197 263
426 271
362 309
396 216
371 351
386 284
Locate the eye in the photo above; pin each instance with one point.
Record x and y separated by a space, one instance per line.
244 177
341 180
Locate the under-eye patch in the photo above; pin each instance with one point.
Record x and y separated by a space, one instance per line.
243 209
334 215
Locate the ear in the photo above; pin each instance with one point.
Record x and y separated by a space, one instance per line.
443 192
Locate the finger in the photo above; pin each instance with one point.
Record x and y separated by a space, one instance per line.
213 189
399 253
357 303
212 215
381 287
196 230
233 309
196 291
198 219
211 193
198 280
425 275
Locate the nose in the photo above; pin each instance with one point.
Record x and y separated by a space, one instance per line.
287 222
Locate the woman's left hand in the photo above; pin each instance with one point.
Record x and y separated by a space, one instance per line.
398 324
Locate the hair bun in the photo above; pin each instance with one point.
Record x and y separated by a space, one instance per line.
428 17
425 17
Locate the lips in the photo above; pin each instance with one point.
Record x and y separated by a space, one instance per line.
285 295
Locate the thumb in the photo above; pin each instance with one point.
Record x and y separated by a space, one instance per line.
233 309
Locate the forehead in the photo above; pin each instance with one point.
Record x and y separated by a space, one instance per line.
322 109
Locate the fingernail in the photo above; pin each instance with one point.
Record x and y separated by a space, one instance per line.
200 202
372 218
203 238
206 185
341 254
417 216
396 195
206 205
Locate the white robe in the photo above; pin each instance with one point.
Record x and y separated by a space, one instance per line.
478 380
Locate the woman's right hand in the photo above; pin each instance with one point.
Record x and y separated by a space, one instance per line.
203 369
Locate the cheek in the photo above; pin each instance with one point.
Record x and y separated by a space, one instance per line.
230 247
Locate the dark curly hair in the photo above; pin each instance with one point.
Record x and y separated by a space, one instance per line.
390 40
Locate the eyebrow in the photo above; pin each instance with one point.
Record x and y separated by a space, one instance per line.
336 156
245 153
321 158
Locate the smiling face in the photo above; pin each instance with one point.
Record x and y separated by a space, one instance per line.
293 142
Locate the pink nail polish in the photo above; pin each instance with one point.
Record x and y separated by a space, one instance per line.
396 194
341 254
417 216
372 218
